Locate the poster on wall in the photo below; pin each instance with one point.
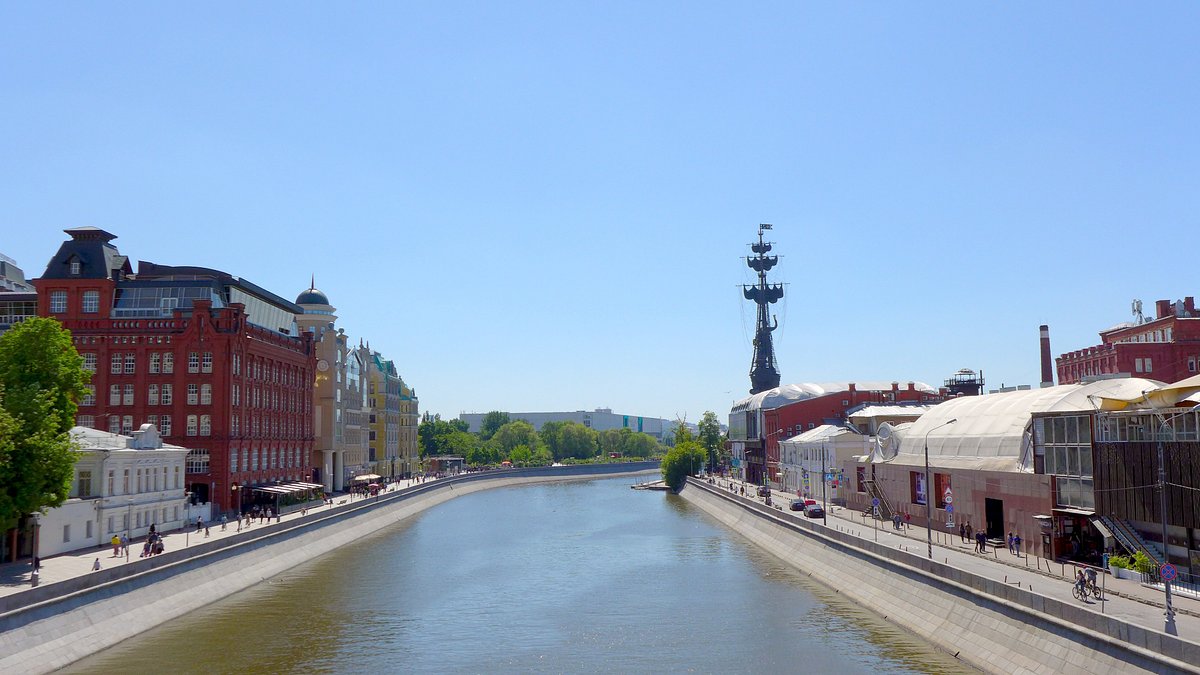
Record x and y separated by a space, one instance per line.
919 488
1194 560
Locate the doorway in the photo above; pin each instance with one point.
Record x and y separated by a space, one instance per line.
993 511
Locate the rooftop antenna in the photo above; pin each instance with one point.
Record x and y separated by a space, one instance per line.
1138 319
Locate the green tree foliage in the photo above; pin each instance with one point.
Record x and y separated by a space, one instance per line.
491 424
437 436
41 378
551 435
628 443
577 441
514 434
709 437
681 461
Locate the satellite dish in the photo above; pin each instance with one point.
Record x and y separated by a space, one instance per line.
885 436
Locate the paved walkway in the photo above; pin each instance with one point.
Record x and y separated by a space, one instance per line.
16 577
1125 599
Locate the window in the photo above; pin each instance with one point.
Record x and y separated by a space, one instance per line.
274 458
193 394
130 364
91 302
86 421
165 425
114 394
127 399
206 394
245 459
155 363
237 364
66 533
234 427
168 362
1149 366
58 302
167 390
76 268
127 424
205 425
89 395
941 483
235 395
115 364
206 362
254 460
193 428
85 484
178 484
152 395
193 362
152 419
110 483
1191 364
125 489
197 461
233 459
89 361
917 487
141 481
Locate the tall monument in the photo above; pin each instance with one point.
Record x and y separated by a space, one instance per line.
763 373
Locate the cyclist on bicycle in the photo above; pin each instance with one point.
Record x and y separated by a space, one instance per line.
1080 581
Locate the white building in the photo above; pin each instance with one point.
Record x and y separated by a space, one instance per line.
122 484
600 419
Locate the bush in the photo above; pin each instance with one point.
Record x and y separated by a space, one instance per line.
1122 561
1143 563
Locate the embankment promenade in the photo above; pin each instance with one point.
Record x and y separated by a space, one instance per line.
992 616
76 612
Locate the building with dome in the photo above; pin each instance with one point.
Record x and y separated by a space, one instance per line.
216 363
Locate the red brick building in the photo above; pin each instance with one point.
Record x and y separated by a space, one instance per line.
1165 348
213 361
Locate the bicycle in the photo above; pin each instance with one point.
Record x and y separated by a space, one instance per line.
1094 588
1079 593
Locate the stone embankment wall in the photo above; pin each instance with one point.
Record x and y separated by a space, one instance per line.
49 627
988 624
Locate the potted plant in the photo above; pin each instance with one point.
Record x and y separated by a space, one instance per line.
1120 566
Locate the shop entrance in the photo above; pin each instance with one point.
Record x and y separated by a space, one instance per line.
993 511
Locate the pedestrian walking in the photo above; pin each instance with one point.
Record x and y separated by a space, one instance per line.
199 525
206 533
96 565
124 544
962 532
223 521
116 544
970 536
1017 545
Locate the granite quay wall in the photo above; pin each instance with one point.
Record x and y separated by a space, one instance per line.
988 624
51 626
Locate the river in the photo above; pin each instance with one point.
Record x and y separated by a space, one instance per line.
566 577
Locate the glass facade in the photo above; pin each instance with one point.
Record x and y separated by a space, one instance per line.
1063 448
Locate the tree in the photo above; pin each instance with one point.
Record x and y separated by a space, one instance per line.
513 434
521 455
551 437
435 435
491 424
681 461
577 441
41 378
709 437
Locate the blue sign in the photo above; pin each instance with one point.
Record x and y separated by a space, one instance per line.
875 501
1168 572
949 508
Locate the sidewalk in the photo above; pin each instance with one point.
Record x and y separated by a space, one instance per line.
1125 599
15 577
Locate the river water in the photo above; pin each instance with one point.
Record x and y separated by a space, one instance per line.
567 577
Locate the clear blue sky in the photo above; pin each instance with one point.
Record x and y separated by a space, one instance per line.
541 206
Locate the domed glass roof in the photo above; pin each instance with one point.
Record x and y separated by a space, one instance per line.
312 297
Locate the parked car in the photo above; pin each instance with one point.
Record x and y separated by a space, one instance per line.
814 511
797 505
763 491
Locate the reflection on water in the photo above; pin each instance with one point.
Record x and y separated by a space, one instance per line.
570 577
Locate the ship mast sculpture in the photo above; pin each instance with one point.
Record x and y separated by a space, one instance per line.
763 373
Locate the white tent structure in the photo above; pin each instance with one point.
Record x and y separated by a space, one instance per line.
993 432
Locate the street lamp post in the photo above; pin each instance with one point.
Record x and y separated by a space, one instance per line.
929 488
824 482
1169 614
128 527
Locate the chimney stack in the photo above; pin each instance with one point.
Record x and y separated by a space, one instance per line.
1047 362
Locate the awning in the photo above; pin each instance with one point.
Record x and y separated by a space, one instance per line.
274 489
366 476
1166 396
1075 512
1100 526
307 486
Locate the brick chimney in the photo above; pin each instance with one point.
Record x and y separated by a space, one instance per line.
1047 361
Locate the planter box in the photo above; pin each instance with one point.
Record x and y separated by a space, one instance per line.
1122 573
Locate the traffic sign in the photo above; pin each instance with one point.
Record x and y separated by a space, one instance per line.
1168 572
875 502
950 508
949 497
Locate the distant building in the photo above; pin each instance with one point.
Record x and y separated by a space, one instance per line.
757 423
1165 348
600 419
18 298
393 421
